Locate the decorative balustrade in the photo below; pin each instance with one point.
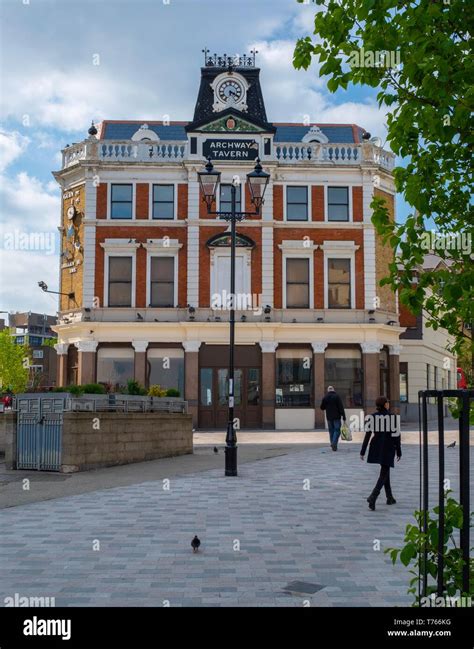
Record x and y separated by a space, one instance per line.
333 154
141 151
176 151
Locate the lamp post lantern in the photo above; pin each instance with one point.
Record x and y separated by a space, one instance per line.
209 182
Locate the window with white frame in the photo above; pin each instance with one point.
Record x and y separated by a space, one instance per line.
339 274
162 281
121 201
296 203
338 203
225 198
120 280
163 202
297 283
339 283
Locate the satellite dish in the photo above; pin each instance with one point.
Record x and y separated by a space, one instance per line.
376 141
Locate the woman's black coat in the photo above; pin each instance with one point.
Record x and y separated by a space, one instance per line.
384 445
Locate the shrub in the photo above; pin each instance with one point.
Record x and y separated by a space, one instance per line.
93 388
134 388
416 541
156 391
75 390
173 392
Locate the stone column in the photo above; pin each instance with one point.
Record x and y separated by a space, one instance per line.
268 383
394 377
371 369
140 347
87 361
319 387
191 377
61 371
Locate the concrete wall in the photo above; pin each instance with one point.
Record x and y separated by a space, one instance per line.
122 438
98 439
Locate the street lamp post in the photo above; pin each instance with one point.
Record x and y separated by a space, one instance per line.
209 181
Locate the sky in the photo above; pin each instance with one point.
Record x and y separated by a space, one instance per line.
64 63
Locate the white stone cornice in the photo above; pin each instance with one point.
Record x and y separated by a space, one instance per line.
372 347
345 246
163 245
319 348
120 245
191 345
61 348
84 346
394 350
268 346
289 245
140 346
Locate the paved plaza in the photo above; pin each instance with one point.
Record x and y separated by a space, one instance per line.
299 516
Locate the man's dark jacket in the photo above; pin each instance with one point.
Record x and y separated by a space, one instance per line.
332 404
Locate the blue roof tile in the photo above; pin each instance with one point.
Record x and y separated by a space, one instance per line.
285 133
341 134
125 130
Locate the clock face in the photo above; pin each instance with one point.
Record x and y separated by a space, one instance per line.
230 89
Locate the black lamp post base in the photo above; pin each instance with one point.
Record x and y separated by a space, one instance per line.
230 460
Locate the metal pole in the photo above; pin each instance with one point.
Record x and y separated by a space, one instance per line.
425 492
231 438
464 486
441 495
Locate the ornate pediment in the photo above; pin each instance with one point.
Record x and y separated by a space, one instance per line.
231 124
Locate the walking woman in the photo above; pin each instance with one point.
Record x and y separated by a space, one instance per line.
383 447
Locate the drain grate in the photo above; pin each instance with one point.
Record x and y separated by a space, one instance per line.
303 587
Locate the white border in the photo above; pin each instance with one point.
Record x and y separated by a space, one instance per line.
350 188
133 183
245 253
110 252
162 252
296 254
309 192
175 201
334 250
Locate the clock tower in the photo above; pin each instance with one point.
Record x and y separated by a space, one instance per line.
230 87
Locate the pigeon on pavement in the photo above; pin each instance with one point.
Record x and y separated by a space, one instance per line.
195 543
216 449
452 445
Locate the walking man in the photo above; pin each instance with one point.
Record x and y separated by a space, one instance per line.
332 404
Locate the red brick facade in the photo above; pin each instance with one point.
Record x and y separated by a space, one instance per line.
144 233
357 204
318 237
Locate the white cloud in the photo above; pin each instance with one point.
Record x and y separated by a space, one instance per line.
12 146
68 101
28 205
297 95
21 271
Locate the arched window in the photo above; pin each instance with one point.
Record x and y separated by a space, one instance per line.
223 240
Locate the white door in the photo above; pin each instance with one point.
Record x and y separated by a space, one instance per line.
220 286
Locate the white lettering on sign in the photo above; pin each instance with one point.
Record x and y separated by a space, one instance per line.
230 149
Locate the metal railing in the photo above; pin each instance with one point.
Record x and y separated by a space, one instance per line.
464 399
29 403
